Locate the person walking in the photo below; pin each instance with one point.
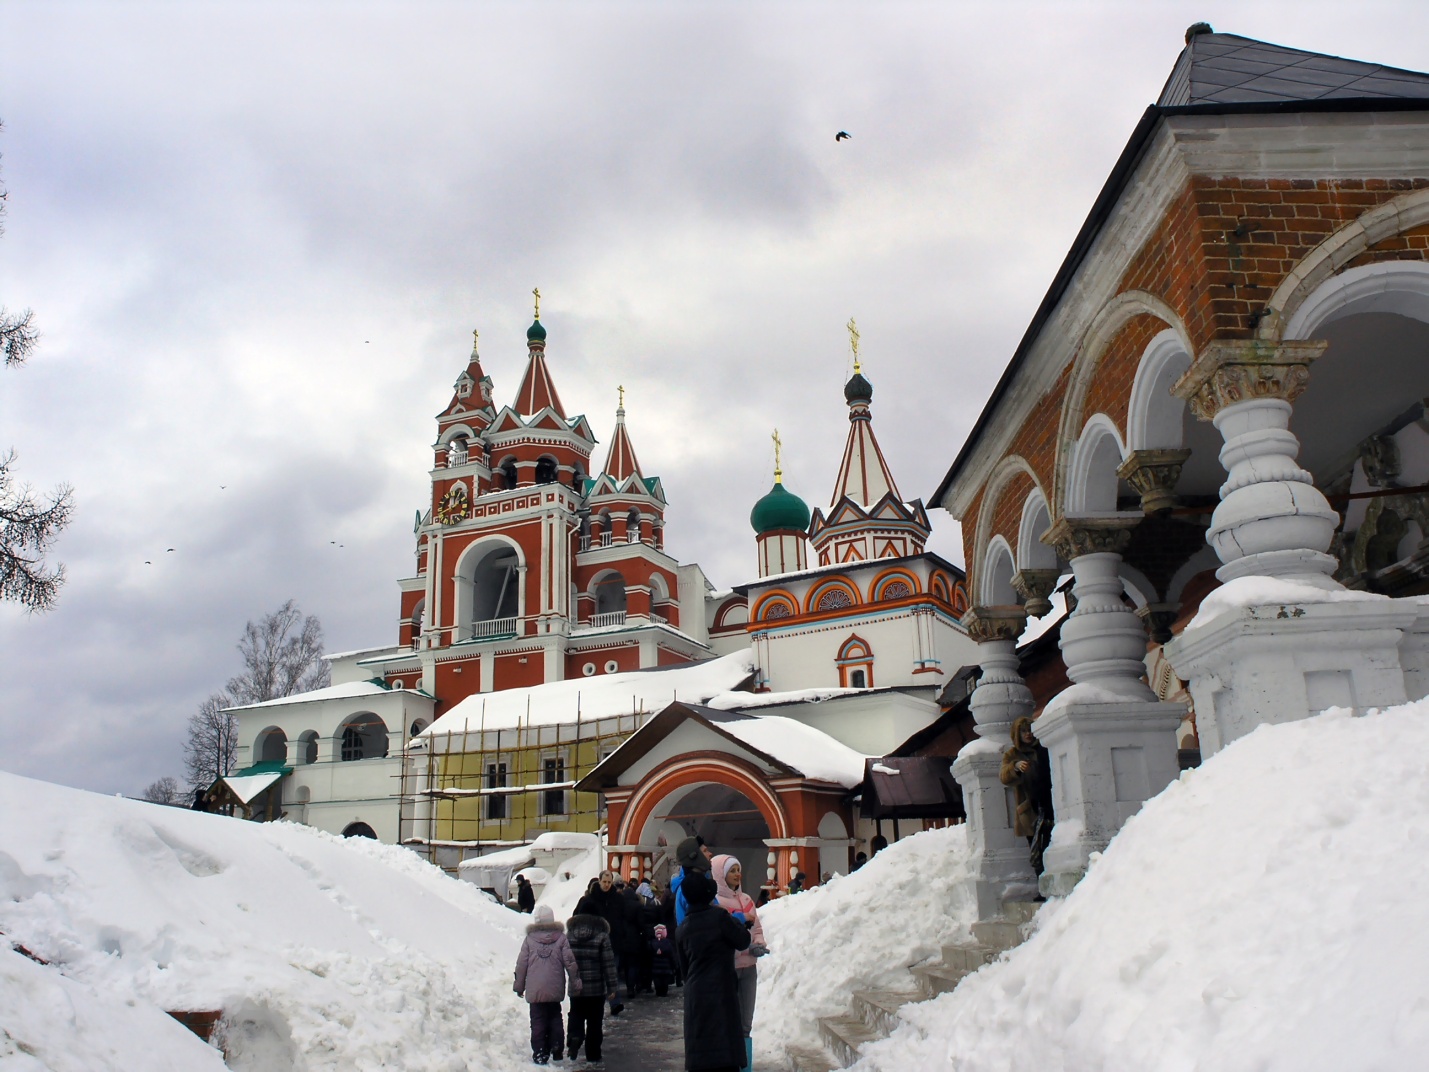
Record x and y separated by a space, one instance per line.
662 960
1027 768
589 935
728 875
706 943
542 968
525 895
610 907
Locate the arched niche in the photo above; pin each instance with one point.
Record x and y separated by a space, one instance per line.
488 585
272 746
608 590
1093 486
362 736
1155 418
995 587
1032 553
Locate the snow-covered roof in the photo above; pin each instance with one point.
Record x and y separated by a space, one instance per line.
813 753
246 787
359 651
345 691
602 696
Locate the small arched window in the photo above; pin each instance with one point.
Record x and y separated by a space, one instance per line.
546 470
855 663
309 741
273 746
508 473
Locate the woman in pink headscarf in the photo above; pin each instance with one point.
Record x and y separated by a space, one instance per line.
728 876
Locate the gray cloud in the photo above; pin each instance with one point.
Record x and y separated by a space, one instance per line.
257 237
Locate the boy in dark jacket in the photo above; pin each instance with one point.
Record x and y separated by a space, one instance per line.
589 935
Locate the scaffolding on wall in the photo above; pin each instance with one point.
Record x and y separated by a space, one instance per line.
470 791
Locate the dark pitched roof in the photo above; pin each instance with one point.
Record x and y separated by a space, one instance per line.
1217 68
1364 92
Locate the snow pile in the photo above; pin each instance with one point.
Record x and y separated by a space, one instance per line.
857 931
1264 912
1256 591
322 953
568 884
603 696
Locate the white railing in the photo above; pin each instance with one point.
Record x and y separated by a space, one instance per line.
585 543
633 536
659 619
607 538
615 617
493 628
457 457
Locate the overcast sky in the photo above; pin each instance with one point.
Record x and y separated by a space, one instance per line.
257 238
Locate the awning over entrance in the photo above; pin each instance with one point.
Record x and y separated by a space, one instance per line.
241 788
911 787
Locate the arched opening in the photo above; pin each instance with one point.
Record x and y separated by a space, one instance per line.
607 533
418 612
546 469
578 479
363 736
1361 418
309 751
272 746
417 727
1093 486
359 830
507 469
488 592
997 571
728 820
609 592
855 664
1032 553
632 525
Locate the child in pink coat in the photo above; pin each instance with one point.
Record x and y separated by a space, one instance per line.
542 968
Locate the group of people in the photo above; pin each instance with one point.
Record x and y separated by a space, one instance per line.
702 933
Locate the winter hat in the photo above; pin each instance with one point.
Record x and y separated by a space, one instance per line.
690 857
660 931
719 868
543 914
699 888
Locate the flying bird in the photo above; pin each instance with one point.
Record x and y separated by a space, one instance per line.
842 135
147 562
168 548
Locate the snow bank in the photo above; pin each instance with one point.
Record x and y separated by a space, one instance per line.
568 884
857 931
1265 912
323 953
1257 591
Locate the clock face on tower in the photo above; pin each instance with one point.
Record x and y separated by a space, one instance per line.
453 506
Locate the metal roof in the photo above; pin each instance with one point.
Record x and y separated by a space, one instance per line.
1219 68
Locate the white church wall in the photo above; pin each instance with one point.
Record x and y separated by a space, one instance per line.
872 723
806 657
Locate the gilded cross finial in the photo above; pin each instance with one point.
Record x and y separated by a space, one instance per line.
778 447
622 396
853 342
475 337
537 292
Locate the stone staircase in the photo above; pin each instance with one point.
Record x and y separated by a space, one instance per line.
875 1014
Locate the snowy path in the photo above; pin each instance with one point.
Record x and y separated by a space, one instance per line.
648 1036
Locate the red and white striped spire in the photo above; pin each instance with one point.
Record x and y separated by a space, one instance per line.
621 461
864 476
537 391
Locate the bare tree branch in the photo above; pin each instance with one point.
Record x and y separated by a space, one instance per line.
28 527
212 747
165 791
282 655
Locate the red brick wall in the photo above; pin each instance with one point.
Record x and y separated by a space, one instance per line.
519 670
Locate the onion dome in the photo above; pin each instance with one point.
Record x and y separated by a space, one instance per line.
780 509
536 333
858 389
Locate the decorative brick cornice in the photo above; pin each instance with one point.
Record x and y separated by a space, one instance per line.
1074 537
1154 474
1034 586
995 623
1230 371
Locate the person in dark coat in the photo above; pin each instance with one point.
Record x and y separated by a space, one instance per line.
706 943
589 936
525 895
662 960
606 900
1027 768
627 954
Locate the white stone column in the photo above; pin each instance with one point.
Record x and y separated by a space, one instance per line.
1002 870
1290 640
1111 743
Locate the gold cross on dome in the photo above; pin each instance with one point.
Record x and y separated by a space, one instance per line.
622 396
853 341
475 337
778 446
537 292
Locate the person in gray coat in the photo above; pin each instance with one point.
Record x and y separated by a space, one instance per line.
542 968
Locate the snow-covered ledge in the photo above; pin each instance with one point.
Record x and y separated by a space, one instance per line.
1281 640
1111 742
1001 870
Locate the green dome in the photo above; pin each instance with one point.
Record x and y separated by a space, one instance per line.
536 332
780 509
858 389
